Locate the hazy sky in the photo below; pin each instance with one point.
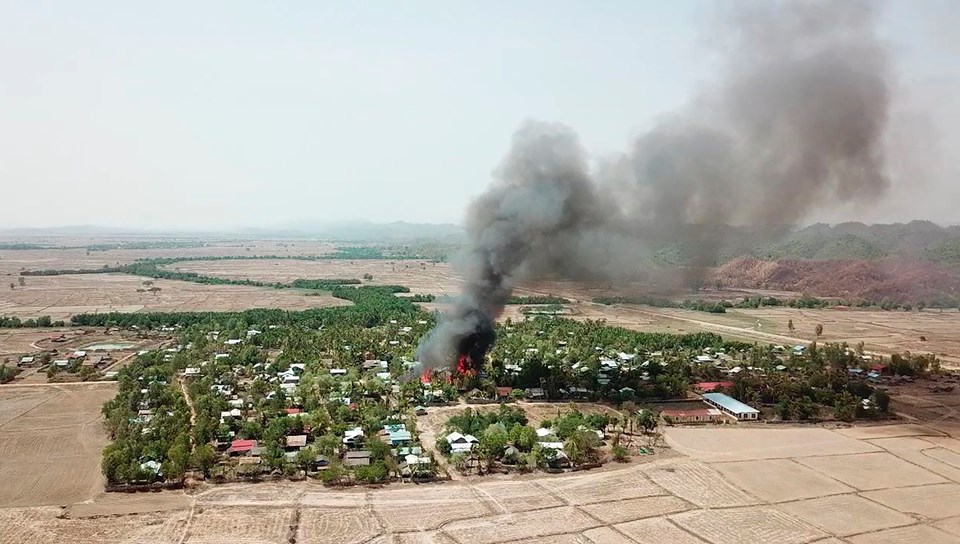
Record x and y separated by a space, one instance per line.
220 114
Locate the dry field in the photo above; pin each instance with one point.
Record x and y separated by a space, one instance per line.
63 296
420 276
785 485
50 443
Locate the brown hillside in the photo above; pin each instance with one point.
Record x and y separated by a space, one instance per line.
893 279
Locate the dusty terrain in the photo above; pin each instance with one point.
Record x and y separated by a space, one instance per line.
63 296
51 438
907 280
891 483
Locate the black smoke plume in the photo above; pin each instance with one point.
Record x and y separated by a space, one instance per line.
796 122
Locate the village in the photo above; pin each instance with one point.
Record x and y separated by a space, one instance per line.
350 405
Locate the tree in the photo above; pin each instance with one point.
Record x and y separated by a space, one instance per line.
306 458
818 330
523 437
845 407
580 446
646 420
204 458
334 473
790 326
492 442
620 454
12 286
881 400
22 281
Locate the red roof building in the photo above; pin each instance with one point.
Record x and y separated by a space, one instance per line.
708 387
241 447
696 415
291 411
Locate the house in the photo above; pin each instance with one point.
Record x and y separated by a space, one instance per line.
709 387
338 372
698 415
291 411
25 361
232 414
731 406
534 393
460 443
296 441
352 438
61 363
702 359
371 364
420 411
191 371
503 393
241 447
359 458
233 342
397 435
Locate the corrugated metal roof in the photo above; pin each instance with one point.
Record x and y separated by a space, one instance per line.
730 403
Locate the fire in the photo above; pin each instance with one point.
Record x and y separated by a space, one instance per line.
425 377
465 365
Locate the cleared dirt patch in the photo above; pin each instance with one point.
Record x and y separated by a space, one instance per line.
602 487
885 431
634 509
239 525
847 515
323 525
113 504
708 444
758 525
51 445
779 480
521 526
41 525
929 501
699 484
656 531
520 496
409 509
872 471
916 534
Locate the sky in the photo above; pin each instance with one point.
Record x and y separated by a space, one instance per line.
225 114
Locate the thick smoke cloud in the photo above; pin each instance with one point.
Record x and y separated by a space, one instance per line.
795 122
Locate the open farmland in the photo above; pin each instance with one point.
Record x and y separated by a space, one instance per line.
51 439
699 498
420 276
63 296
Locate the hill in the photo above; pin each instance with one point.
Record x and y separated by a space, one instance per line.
894 279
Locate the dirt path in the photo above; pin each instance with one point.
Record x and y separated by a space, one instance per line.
193 413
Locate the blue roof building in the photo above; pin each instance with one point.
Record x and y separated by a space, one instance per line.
731 406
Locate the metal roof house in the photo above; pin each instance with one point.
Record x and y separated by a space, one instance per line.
731 406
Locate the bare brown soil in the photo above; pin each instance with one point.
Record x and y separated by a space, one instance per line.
891 279
51 438
694 498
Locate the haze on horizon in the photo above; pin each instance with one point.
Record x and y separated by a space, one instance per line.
239 114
